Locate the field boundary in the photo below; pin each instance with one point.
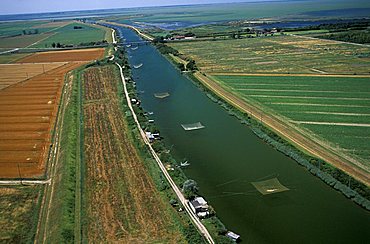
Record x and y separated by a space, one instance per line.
285 75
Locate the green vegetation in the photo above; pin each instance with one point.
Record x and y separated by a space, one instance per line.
189 186
63 209
74 34
361 37
351 188
236 11
9 58
342 101
19 207
278 54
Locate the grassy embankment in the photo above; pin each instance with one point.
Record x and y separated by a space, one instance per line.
328 173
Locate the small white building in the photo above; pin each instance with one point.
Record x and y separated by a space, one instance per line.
199 206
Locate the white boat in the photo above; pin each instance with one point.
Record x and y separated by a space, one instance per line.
138 66
134 48
184 163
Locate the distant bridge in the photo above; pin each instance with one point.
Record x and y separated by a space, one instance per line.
134 44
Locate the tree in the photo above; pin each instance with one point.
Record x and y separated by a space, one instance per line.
191 65
190 188
59 45
24 32
53 44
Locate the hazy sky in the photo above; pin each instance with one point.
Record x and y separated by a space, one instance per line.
36 6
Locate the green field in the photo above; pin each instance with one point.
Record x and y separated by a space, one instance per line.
278 54
336 109
68 35
18 213
24 34
248 10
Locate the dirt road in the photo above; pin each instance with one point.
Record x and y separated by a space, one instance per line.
202 229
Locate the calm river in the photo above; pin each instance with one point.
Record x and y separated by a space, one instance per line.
226 156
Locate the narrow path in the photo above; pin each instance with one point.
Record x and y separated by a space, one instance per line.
202 229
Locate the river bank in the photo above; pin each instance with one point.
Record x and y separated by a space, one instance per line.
226 156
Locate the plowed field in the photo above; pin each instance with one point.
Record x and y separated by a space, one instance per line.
29 102
65 56
13 73
124 204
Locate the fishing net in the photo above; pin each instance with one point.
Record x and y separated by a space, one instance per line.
194 126
270 186
162 95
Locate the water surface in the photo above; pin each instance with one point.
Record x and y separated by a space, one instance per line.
226 156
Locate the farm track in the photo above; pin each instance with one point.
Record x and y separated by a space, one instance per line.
302 140
124 204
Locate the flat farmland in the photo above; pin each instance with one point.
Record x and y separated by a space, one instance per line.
22 41
68 34
80 55
27 113
277 55
123 202
13 73
29 106
335 110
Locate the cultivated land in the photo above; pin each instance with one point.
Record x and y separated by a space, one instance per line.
123 202
280 54
335 108
318 88
68 35
79 55
14 73
28 110
24 34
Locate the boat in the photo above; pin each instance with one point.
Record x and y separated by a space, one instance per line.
138 66
184 163
161 95
134 48
128 45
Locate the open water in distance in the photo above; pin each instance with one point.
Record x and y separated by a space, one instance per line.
226 156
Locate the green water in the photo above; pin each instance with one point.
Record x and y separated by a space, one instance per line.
226 156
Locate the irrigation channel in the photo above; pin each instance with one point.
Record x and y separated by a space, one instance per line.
225 157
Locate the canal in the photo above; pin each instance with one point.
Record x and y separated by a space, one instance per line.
225 157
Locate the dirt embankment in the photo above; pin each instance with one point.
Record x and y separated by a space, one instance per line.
291 134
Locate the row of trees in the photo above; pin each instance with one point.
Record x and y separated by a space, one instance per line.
30 32
361 37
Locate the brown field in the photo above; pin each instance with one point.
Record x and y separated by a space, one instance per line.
124 204
52 24
13 73
81 55
29 106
